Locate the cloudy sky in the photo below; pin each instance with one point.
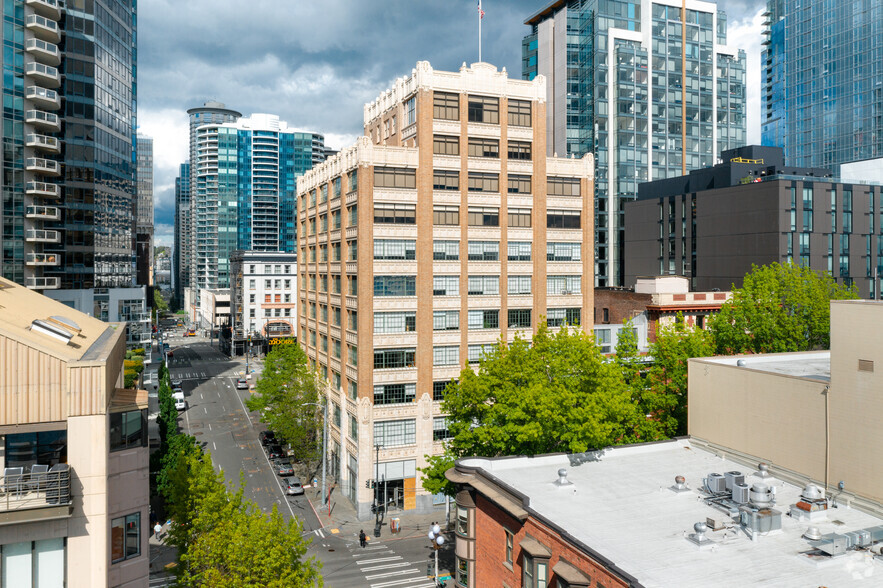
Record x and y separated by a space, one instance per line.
315 63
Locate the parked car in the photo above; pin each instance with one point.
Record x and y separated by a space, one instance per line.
178 390
176 383
267 438
274 451
292 485
242 384
180 404
282 467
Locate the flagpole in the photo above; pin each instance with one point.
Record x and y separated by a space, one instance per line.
479 31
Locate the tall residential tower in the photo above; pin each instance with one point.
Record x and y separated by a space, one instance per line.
650 87
144 212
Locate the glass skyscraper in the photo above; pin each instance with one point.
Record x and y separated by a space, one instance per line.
183 234
653 93
823 89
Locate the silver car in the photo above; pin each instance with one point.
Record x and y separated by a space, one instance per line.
292 485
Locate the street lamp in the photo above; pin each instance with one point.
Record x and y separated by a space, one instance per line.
437 541
324 439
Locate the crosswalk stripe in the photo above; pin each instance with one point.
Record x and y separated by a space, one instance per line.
390 565
378 560
395 573
374 551
411 582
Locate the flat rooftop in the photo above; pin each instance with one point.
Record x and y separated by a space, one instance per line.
622 506
813 365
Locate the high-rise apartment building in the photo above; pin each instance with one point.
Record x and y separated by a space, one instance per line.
246 173
447 214
822 92
144 211
183 235
651 88
69 154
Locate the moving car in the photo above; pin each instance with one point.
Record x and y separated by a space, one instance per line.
282 467
274 451
292 485
242 384
267 438
176 383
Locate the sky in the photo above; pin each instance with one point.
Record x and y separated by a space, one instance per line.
316 63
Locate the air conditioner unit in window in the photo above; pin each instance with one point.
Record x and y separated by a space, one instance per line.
565 292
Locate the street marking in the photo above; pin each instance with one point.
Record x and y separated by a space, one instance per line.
395 573
214 445
200 395
413 583
209 426
373 547
387 566
335 531
205 409
379 560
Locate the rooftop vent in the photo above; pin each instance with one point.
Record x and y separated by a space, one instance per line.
812 533
698 536
562 478
740 362
763 470
680 485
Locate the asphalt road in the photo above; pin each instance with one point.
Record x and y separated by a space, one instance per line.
216 415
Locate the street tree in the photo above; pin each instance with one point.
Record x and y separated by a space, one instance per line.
287 394
553 393
779 308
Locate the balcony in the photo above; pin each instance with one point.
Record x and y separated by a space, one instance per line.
43 142
43 97
43 283
43 166
46 121
43 28
35 259
43 189
44 74
43 212
41 236
43 51
43 493
51 9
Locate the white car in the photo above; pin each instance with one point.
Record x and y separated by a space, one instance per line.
180 404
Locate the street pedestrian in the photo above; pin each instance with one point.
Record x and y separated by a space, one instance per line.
363 539
157 529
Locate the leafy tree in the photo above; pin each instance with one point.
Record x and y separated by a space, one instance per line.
554 393
664 400
287 394
627 356
159 303
778 308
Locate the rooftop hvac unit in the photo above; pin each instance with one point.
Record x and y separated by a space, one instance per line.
716 483
733 478
761 520
740 493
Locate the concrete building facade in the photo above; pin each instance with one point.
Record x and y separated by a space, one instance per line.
183 247
75 510
144 212
446 213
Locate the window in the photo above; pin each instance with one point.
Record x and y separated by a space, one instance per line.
518 184
410 112
562 285
352 213
125 537
335 252
394 358
440 429
483 285
438 389
484 216
445 145
445 180
476 352
563 186
535 573
479 147
484 182
462 521
395 249
395 285
519 150
484 319
558 317
519 318
510 545
395 214
354 285
335 219
395 322
563 251
462 572
353 181
323 193
519 250
446 285
446 355
354 423
563 219
395 433
519 217
353 320
251 284
484 250
251 298
335 316
484 109
336 413
394 393
519 113
445 320
352 251
446 250
518 285
445 215
394 177
128 430
335 285
445 106
335 187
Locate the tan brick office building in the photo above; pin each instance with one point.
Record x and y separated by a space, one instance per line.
446 215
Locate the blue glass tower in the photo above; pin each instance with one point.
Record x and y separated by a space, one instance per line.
653 90
823 94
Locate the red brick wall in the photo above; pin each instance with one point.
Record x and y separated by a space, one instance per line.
490 569
621 305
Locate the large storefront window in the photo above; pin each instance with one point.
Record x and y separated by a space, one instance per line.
33 564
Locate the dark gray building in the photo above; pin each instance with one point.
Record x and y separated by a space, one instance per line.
714 223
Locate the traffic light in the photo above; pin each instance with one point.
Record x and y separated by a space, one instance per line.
369 484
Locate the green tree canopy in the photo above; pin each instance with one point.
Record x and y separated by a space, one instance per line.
287 394
778 308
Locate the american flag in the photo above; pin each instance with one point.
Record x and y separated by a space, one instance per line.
480 11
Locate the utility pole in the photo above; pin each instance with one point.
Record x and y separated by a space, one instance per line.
376 489
325 443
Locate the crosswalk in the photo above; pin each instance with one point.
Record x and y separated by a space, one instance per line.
383 568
